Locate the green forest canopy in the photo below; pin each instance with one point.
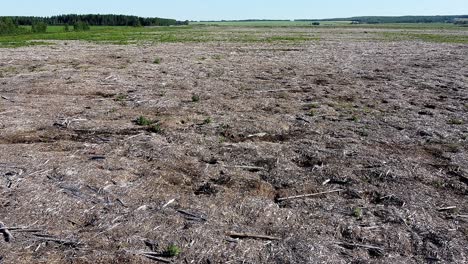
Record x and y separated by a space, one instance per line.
97 20
395 19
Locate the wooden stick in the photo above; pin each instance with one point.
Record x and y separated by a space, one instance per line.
447 208
308 195
245 167
359 245
154 256
57 240
20 229
247 235
6 233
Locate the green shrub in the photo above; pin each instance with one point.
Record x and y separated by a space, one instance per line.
455 122
155 128
81 26
207 121
66 28
157 61
195 98
357 212
172 251
7 26
143 121
39 27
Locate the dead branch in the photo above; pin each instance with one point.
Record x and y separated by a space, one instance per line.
191 216
255 168
57 240
352 245
5 232
446 208
308 195
248 235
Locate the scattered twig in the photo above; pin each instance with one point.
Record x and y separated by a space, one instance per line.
279 90
20 229
307 195
254 168
446 208
352 245
154 256
257 135
57 240
8 99
247 235
121 202
168 203
191 216
5 232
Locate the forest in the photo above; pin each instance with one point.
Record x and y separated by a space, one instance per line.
97 20
395 19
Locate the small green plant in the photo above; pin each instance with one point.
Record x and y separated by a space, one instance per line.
155 128
217 57
207 121
157 61
66 28
172 251
357 212
143 121
195 98
311 112
120 97
354 118
455 122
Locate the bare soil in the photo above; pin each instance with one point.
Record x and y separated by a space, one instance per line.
385 122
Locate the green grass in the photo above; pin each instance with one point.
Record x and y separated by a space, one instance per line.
237 32
266 23
426 37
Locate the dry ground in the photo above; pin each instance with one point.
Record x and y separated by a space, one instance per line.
385 122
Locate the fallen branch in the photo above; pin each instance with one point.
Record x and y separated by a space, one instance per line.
6 233
191 216
156 258
307 195
254 168
247 235
352 245
446 208
20 229
57 240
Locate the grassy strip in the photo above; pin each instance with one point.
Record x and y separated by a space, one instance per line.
436 38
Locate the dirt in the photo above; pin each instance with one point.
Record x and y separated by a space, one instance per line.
235 128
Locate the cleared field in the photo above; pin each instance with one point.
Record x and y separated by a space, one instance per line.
442 33
235 144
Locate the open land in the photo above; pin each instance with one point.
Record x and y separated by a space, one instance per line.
119 142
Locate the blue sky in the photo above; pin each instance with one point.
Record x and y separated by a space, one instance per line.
236 9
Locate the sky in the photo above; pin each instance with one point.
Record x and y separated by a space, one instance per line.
235 9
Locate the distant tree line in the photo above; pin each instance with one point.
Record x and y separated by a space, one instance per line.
395 19
246 20
98 20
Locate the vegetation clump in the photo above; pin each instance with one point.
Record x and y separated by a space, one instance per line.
39 27
195 98
172 251
81 26
143 121
7 26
